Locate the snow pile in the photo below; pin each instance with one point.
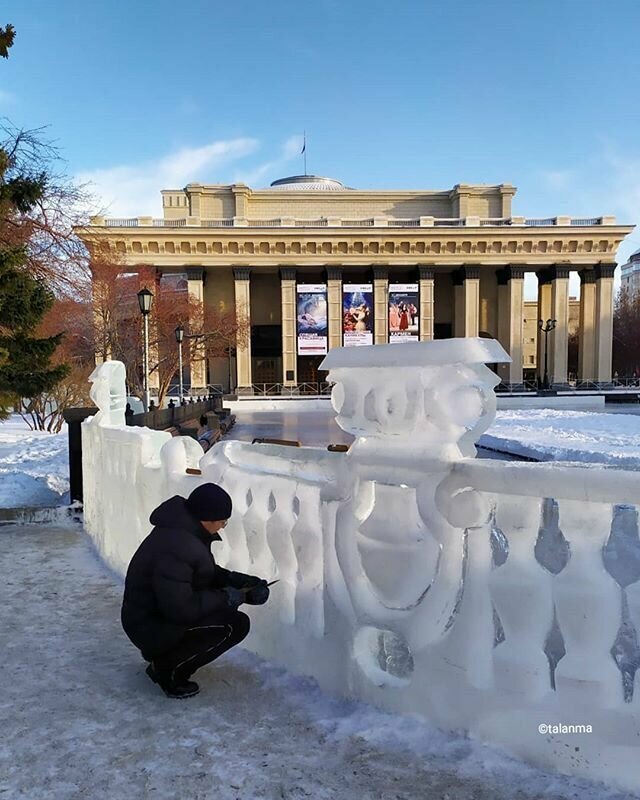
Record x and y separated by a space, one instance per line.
549 435
34 466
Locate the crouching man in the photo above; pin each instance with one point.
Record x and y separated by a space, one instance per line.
180 608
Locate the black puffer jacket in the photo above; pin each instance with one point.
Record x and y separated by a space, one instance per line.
173 581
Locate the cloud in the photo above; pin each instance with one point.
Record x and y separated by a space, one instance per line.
558 179
134 189
254 177
6 98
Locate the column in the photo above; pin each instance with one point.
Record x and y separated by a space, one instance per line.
380 305
559 336
544 313
289 327
588 326
243 310
426 281
197 361
510 321
604 321
466 301
334 306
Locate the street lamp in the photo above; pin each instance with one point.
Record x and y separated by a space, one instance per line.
145 298
179 331
546 328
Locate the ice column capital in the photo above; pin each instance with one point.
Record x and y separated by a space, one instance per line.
418 401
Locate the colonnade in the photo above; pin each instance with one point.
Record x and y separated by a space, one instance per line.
596 315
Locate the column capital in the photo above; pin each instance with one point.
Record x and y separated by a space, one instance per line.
559 271
509 273
465 274
544 275
195 273
587 276
605 271
287 273
425 273
334 273
241 273
381 273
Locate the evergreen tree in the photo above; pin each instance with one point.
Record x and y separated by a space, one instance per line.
25 368
7 35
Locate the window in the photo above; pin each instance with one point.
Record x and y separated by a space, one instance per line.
532 359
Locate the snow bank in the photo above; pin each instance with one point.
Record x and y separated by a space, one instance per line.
490 597
550 435
34 466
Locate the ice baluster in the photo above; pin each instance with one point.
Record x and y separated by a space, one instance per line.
521 591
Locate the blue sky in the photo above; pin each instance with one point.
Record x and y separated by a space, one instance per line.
145 95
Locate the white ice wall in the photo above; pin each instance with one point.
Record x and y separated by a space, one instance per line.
412 575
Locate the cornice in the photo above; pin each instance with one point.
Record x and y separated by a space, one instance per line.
541 247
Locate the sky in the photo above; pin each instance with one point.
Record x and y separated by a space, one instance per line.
142 95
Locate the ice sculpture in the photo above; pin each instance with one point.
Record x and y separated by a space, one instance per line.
411 574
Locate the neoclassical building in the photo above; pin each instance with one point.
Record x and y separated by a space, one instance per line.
316 264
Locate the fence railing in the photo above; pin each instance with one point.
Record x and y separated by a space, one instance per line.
539 223
286 390
323 222
216 223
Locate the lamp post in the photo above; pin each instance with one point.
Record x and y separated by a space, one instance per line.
145 298
179 331
546 327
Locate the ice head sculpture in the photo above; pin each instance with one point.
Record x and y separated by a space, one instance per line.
109 393
432 399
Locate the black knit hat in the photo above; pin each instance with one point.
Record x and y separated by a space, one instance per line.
209 502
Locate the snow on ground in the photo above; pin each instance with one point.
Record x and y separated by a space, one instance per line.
82 721
550 435
34 466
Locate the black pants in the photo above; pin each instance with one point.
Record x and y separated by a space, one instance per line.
202 644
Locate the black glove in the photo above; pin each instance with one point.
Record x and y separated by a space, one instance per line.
258 594
243 581
235 597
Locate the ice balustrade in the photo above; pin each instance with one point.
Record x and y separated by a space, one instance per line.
485 595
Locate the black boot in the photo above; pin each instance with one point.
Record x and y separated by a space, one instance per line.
177 689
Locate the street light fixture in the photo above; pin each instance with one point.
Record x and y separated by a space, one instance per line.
546 328
179 332
145 299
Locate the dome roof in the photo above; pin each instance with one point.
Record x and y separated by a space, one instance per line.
308 183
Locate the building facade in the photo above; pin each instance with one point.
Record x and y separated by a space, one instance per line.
314 265
530 335
630 274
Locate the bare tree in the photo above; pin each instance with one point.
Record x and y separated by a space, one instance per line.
626 335
45 227
210 333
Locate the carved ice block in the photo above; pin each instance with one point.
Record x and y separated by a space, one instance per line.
109 393
411 404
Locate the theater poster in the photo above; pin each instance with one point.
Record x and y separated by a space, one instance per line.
357 314
312 319
404 313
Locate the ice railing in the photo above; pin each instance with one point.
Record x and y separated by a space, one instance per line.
490 596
